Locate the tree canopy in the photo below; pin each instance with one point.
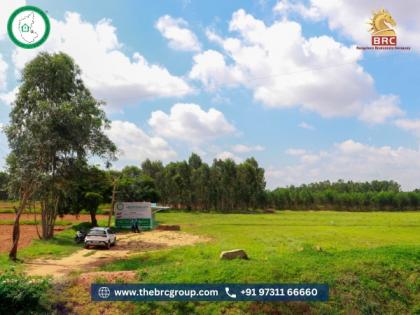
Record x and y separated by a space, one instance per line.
55 126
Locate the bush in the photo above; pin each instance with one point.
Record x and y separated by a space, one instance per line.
20 294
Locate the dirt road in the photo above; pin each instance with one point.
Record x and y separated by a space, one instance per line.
127 245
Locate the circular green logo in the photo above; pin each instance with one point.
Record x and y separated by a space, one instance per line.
28 27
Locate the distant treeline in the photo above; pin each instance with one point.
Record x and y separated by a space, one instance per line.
352 196
224 186
194 185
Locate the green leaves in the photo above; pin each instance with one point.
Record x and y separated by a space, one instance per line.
20 294
55 126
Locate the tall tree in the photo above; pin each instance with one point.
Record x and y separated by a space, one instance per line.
140 188
155 170
4 186
55 125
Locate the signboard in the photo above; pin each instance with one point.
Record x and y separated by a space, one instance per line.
125 212
133 210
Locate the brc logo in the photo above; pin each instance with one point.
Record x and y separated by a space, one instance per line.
382 27
384 40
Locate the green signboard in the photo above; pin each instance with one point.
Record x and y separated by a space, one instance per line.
144 224
126 212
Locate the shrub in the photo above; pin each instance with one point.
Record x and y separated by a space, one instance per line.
20 294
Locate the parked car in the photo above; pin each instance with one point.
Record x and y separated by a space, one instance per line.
100 236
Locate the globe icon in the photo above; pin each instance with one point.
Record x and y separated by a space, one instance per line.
104 292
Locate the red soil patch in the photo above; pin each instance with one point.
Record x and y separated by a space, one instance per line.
28 232
166 227
68 217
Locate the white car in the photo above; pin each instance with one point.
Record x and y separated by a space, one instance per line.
100 236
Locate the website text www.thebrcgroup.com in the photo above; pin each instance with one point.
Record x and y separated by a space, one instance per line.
209 292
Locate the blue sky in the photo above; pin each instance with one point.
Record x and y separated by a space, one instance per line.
281 81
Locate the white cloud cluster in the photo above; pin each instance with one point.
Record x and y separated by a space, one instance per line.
381 109
295 152
188 122
9 97
411 125
7 8
3 73
285 69
351 17
107 70
351 160
135 145
242 148
178 34
285 7
211 69
225 155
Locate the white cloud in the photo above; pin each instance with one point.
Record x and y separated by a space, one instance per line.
305 125
188 122
3 73
9 97
285 69
286 7
351 17
135 145
411 125
107 70
242 148
351 160
295 152
7 8
210 68
225 155
179 36
381 109
304 156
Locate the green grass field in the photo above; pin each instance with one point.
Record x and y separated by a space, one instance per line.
371 260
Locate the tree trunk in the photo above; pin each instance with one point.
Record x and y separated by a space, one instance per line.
16 234
48 217
93 217
16 226
36 224
111 212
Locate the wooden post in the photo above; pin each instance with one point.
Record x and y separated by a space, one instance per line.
111 212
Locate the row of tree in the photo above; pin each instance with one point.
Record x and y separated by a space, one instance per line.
194 185
222 186
353 196
56 126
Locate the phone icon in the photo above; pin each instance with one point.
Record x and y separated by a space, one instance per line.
231 295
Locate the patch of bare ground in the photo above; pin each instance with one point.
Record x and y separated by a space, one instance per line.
27 234
127 245
74 295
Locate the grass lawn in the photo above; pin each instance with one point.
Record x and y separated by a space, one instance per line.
370 260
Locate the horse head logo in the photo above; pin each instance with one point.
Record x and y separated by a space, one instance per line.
382 24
